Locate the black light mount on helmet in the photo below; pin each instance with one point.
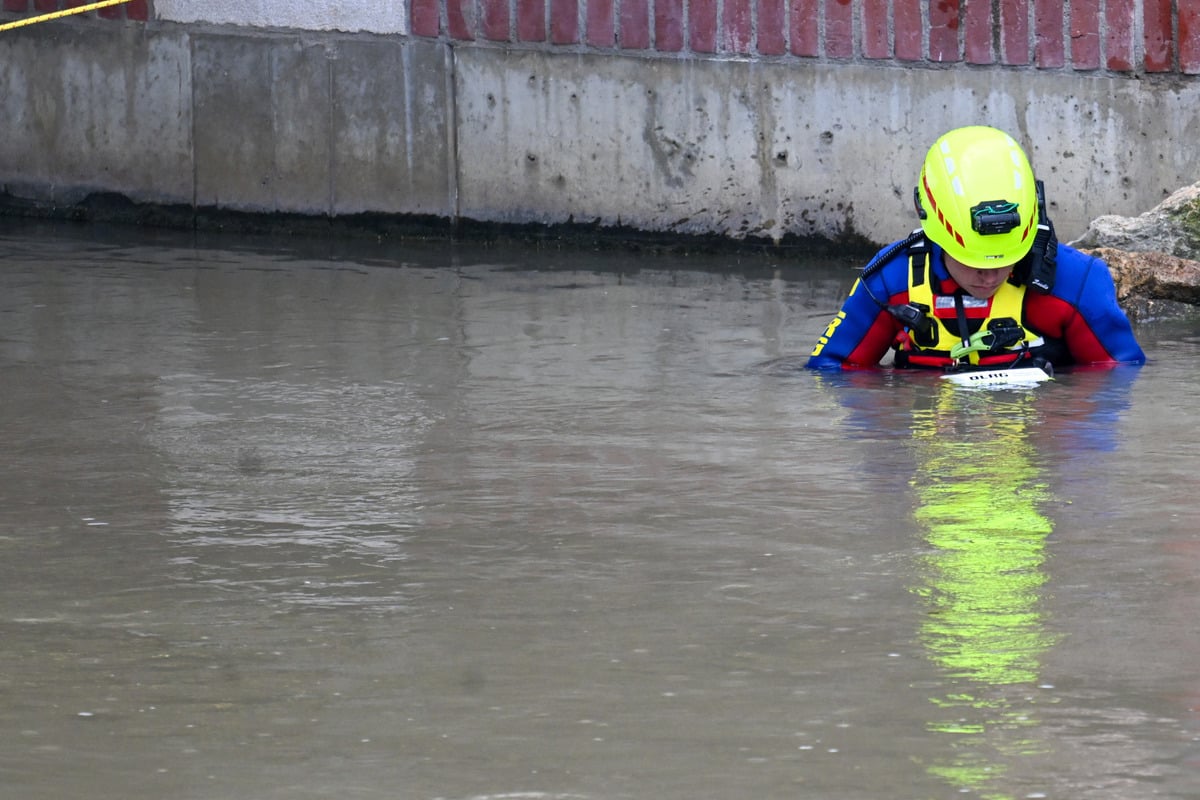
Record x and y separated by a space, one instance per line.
994 216
1038 268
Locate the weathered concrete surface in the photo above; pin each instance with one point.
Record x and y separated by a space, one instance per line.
747 148
329 127
88 110
377 16
320 125
1173 226
392 114
330 124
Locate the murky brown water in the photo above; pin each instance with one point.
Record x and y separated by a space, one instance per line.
288 525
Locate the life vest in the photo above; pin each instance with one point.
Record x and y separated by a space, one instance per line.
962 330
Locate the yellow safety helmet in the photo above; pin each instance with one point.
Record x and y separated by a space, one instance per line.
977 197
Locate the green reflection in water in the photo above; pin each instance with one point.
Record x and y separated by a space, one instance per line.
979 495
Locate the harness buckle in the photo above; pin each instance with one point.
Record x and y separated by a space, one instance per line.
913 316
999 335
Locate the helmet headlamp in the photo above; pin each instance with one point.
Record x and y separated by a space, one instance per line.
994 216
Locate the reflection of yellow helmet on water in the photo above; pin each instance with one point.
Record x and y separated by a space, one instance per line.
977 197
980 492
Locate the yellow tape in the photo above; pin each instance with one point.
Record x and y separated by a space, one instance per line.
66 12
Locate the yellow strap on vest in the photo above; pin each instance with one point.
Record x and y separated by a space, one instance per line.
1008 302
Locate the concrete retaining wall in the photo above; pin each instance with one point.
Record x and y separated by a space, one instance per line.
802 125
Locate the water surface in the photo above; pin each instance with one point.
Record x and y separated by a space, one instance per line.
286 520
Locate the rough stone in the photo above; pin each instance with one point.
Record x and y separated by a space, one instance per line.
1171 227
1152 284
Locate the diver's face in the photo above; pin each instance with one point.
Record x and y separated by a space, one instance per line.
979 283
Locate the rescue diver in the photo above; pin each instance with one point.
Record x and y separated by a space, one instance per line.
984 282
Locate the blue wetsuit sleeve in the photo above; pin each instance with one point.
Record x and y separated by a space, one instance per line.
1102 332
862 331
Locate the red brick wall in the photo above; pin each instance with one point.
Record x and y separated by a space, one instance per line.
1120 36
135 9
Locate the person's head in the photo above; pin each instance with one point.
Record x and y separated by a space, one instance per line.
977 199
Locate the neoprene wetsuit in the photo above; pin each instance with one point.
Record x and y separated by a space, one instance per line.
1079 319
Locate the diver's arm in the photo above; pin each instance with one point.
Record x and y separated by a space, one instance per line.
861 333
1089 319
